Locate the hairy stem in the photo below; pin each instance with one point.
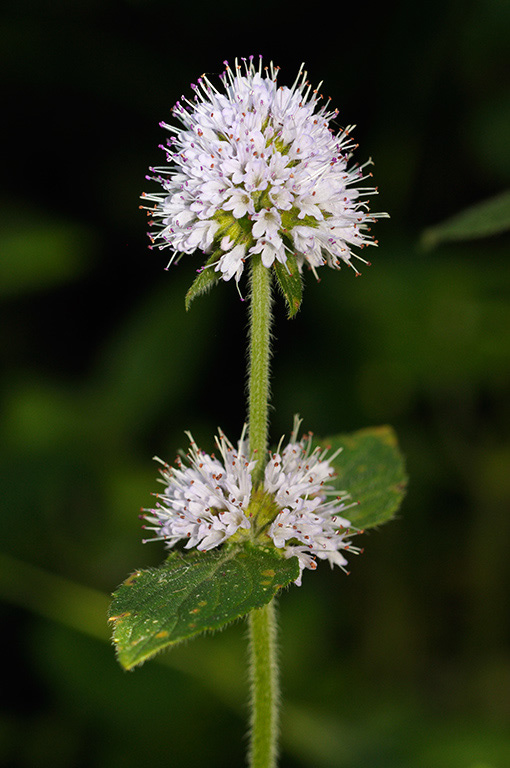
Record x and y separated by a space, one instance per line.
262 622
258 381
264 688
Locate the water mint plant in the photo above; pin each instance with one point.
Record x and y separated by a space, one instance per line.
257 177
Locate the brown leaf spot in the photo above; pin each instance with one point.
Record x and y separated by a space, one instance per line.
120 616
130 579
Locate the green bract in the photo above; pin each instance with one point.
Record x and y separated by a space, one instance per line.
287 275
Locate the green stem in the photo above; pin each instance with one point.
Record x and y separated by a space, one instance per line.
264 688
262 622
258 382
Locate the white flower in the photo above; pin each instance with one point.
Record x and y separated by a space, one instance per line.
267 222
270 248
208 499
239 202
260 163
232 262
204 502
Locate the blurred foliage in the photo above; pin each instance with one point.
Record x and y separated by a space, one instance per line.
104 368
489 217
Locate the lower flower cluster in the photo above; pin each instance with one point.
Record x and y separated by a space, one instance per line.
209 499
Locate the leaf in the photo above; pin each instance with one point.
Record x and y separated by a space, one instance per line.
370 468
205 279
290 284
487 218
192 593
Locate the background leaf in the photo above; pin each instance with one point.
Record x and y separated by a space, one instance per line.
487 218
371 469
192 593
40 252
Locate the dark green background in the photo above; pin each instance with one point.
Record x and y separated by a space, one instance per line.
406 662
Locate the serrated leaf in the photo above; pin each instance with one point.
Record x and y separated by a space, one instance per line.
371 469
205 279
489 217
289 280
191 593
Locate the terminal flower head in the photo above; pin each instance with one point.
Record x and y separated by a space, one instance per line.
209 500
258 168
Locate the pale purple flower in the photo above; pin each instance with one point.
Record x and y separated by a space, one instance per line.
207 499
265 165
